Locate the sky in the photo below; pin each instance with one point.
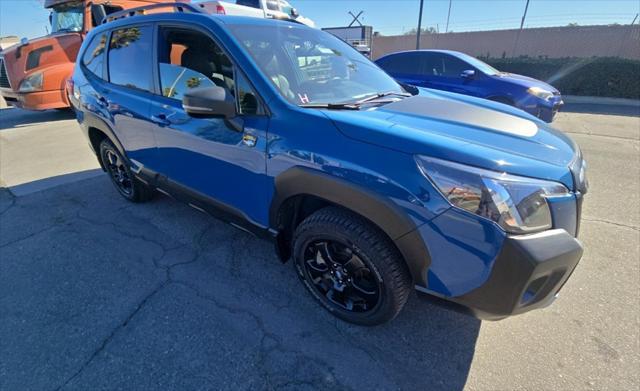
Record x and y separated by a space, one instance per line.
27 18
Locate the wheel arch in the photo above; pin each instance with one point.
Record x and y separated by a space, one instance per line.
302 191
98 130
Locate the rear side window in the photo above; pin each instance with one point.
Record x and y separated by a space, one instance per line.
93 58
249 3
130 57
408 63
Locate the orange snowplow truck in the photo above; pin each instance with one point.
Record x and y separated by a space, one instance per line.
33 74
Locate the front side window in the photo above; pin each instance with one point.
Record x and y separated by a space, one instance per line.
451 67
93 58
130 59
67 18
310 66
189 59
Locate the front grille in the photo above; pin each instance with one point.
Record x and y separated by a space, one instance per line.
4 79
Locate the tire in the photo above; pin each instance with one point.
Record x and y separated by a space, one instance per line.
121 176
364 260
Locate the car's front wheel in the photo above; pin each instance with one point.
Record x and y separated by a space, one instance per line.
351 267
125 182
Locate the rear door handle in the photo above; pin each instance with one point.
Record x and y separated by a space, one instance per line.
102 101
161 119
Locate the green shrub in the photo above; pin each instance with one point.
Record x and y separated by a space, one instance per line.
597 76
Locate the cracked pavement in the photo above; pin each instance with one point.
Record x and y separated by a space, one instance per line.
97 293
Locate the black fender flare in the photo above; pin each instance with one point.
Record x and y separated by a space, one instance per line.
387 216
92 121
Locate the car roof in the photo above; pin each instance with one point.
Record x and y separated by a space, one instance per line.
220 19
451 52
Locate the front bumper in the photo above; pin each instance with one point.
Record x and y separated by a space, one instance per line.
528 273
546 110
39 100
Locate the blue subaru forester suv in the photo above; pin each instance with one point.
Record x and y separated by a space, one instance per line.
372 188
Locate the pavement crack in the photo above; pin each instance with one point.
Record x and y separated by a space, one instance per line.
113 333
11 204
31 235
633 227
589 133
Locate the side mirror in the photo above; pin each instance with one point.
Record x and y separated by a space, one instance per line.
209 102
468 74
294 13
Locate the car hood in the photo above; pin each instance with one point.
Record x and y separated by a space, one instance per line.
466 130
526 81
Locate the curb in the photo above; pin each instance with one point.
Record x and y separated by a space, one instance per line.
597 100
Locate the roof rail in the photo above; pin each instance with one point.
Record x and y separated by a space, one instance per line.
179 7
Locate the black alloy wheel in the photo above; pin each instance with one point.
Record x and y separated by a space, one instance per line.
351 267
125 182
342 276
119 172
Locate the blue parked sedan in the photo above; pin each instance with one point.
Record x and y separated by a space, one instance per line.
457 72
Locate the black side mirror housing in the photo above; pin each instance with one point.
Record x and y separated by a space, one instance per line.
294 13
209 102
468 74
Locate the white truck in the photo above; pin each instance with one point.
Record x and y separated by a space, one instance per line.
276 9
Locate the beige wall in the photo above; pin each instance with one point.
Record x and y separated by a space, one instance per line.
554 42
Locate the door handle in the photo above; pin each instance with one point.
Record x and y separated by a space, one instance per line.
102 101
161 119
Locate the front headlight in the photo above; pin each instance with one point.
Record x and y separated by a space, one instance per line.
518 204
540 93
31 83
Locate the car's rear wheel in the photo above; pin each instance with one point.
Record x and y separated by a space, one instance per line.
123 179
351 267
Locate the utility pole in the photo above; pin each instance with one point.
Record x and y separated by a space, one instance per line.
419 25
524 17
446 30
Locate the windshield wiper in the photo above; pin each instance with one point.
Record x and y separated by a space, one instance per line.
331 106
382 95
356 104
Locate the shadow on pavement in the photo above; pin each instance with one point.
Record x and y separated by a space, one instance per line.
101 293
15 118
51 182
627 111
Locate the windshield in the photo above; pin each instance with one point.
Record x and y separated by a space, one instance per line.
67 18
310 66
480 65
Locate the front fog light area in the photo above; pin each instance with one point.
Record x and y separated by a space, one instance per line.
518 204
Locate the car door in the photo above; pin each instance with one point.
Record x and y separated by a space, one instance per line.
126 97
216 160
406 68
444 72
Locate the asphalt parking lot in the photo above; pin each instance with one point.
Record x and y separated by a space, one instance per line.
97 293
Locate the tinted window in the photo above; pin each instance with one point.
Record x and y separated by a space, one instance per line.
247 97
93 58
408 63
249 3
440 64
189 59
130 57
